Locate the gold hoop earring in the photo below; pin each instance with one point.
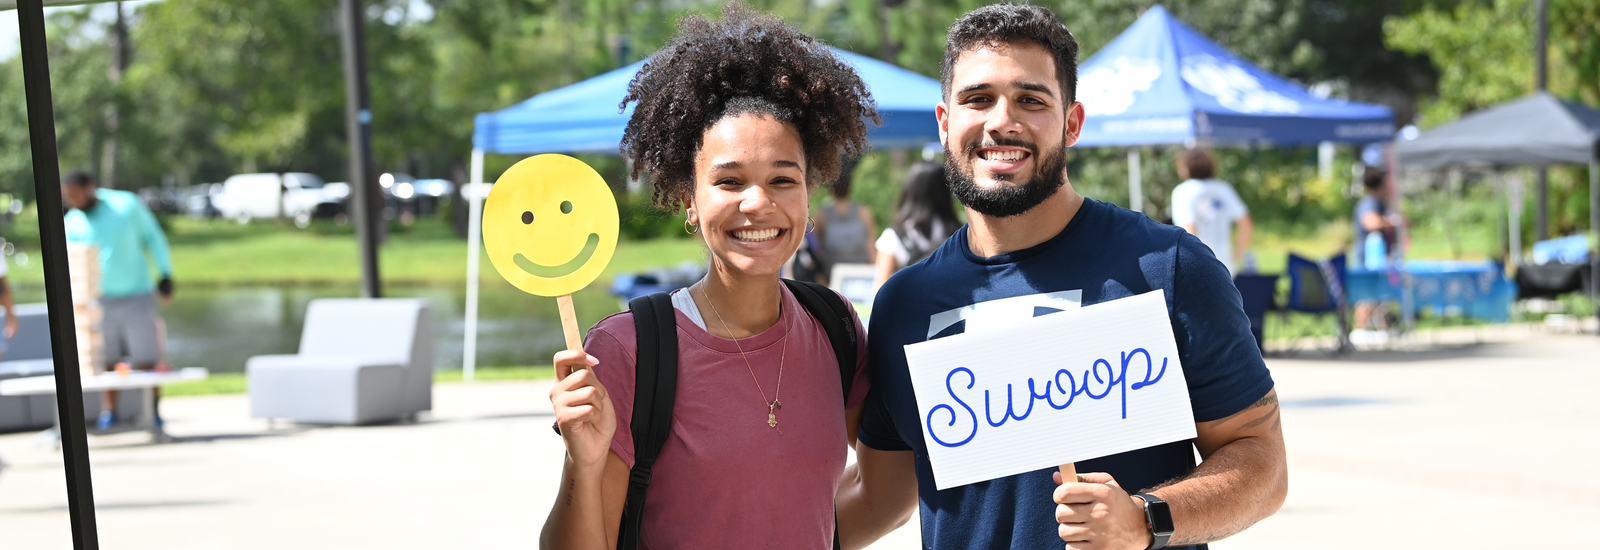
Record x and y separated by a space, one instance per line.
690 228
811 225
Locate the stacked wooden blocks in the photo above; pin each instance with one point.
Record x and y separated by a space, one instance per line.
83 266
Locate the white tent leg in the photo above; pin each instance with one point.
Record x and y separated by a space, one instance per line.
469 353
1325 153
1135 187
1514 212
1594 239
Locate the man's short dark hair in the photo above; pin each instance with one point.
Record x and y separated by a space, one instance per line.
1373 177
78 178
1007 24
1197 163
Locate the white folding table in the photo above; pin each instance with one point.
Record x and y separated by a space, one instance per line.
108 381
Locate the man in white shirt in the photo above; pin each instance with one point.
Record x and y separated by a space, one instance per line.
1208 208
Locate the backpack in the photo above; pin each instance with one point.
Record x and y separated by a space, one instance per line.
656 382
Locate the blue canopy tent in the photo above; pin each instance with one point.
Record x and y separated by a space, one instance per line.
1160 82
583 118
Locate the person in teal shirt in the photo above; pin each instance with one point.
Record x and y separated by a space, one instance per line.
128 238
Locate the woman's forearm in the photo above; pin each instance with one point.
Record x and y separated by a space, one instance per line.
577 520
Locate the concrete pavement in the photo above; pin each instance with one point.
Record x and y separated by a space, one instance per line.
1487 445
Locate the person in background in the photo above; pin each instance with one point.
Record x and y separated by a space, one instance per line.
1375 237
9 303
845 228
924 218
1209 208
128 237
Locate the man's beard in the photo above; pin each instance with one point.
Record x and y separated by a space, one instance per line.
1004 201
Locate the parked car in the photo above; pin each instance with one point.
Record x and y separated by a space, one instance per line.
200 200
296 195
162 200
430 193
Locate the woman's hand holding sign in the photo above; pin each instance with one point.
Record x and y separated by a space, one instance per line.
583 410
1095 512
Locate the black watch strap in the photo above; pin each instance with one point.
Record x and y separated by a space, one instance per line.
1158 519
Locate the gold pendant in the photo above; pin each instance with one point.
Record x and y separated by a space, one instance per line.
772 419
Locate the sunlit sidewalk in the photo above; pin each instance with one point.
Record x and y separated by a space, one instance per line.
1386 450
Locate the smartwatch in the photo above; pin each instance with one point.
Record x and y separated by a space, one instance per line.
1157 518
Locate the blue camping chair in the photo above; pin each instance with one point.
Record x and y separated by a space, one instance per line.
1256 295
1317 288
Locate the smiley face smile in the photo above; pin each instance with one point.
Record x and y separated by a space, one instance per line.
553 272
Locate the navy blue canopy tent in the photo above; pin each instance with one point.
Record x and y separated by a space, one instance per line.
1160 82
583 118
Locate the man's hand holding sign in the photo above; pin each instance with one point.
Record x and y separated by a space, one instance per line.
1000 403
550 227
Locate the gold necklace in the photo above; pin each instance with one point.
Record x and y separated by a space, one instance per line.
774 405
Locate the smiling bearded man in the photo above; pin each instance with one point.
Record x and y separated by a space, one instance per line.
1034 246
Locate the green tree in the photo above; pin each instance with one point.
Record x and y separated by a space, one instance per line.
1483 52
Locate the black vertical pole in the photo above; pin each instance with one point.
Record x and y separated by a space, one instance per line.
57 283
365 199
1540 76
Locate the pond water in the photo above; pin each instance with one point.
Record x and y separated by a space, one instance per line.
221 328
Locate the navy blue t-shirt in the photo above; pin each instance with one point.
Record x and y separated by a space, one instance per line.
1105 253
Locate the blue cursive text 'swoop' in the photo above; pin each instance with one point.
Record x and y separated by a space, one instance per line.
1066 388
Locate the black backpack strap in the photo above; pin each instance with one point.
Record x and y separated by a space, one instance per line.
830 310
655 388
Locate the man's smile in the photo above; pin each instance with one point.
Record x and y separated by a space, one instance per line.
551 272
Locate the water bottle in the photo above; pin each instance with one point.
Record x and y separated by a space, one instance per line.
1375 255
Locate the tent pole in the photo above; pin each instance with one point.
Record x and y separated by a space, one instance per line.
1325 153
1135 187
469 353
1514 213
57 281
1594 238
1502 229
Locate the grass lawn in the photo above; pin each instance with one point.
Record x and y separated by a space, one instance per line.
234 382
225 253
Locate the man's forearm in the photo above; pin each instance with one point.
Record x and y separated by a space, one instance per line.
876 495
862 521
1240 484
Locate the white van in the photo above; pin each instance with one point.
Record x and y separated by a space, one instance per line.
248 196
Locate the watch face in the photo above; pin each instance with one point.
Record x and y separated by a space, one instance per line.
1160 517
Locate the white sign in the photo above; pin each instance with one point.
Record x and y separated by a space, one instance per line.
1056 389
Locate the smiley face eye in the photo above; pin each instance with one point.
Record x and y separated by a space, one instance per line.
566 207
527 217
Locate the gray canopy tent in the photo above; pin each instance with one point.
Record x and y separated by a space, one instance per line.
1537 130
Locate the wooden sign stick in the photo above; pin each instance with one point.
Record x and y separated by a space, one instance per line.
1069 473
569 322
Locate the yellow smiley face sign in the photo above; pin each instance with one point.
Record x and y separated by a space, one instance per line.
550 225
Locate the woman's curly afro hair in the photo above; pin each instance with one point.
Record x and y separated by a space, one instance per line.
746 63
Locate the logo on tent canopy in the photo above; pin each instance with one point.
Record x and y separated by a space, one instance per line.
1233 87
1108 90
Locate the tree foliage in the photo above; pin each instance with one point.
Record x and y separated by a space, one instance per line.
217 87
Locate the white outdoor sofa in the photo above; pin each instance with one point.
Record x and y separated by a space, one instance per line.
361 361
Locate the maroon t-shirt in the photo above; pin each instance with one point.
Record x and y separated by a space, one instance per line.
725 479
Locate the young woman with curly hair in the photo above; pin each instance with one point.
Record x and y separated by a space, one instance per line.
737 121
